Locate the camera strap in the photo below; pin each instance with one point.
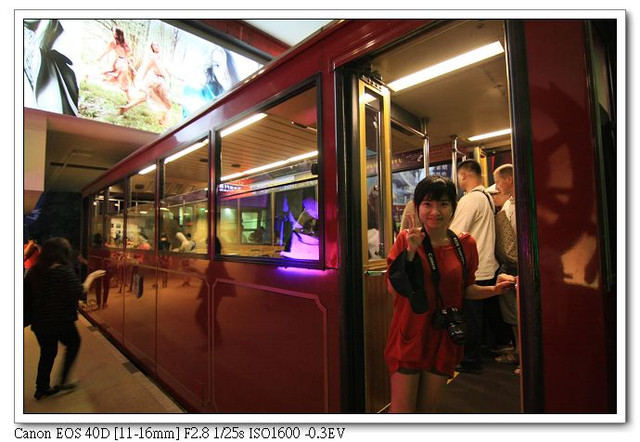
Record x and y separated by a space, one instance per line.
433 263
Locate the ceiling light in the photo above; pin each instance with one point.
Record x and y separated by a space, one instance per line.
244 123
147 169
270 166
447 66
367 98
490 135
186 151
304 156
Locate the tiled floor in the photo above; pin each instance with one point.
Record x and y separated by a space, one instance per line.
107 381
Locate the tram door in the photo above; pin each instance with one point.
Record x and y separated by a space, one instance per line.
374 136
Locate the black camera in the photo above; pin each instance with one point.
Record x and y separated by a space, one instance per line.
450 319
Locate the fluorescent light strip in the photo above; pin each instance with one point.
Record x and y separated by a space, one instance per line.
270 166
367 98
186 151
304 156
490 135
447 66
147 169
244 123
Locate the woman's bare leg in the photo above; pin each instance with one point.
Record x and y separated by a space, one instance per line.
430 390
404 392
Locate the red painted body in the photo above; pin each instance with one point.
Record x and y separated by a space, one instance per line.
566 199
247 337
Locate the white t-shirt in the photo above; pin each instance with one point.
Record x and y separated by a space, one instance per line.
474 214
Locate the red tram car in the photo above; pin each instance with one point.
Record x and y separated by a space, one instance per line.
291 187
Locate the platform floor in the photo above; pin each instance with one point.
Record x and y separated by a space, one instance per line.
107 381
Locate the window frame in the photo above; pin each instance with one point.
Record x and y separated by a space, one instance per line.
128 191
160 182
281 97
91 218
107 215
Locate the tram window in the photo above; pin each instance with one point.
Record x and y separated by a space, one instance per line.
96 211
184 204
374 214
268 190
141 210
115 215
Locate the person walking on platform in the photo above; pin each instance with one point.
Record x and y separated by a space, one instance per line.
52 290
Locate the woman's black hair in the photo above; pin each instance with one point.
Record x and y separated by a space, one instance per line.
434 187
54 251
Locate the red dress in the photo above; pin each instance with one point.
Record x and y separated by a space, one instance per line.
413 343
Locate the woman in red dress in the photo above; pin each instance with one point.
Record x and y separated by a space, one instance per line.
430 270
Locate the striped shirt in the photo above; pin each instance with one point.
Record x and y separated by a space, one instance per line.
57 302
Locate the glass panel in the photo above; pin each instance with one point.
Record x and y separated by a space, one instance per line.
403 186
96 223
115 215
268 194
255 213
184 206
141 210
374 213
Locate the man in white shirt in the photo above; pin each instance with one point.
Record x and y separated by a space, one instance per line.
475 214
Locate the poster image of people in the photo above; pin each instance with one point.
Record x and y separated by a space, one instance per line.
144 74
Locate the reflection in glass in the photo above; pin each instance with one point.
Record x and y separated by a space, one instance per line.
375 228
268 194
141 211
184 204
96 222
115 215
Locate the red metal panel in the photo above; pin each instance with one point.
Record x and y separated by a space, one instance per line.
183 347
105 297
272 342
273 333
564 170
140 307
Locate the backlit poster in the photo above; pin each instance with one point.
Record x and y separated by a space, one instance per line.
143 74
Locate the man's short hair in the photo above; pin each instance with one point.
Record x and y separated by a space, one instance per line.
504 171
470 166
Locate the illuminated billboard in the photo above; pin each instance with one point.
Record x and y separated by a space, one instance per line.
144 74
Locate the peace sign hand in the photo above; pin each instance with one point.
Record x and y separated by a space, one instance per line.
414 235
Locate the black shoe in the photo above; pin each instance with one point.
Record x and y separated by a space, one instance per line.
470 368
41 394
